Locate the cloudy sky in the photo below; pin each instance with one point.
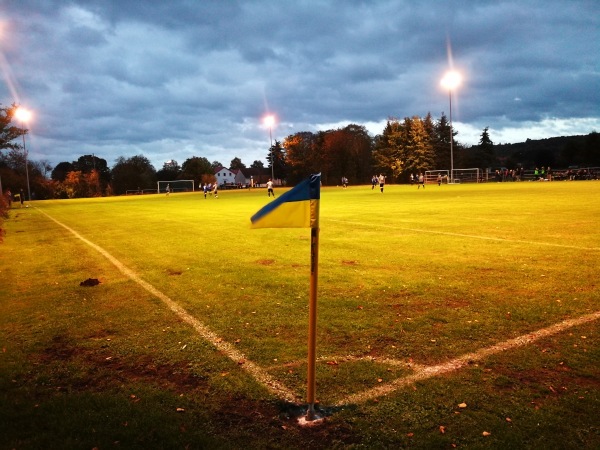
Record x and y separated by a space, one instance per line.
181 78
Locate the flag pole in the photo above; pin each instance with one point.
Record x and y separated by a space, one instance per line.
312 323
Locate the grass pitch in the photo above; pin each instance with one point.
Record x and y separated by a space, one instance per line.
408 280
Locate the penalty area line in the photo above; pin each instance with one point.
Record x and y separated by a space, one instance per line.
262 377
426 372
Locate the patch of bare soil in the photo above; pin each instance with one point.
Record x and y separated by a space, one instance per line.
266 262
174 272
551 381
234 413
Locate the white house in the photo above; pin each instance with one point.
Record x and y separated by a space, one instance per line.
224 176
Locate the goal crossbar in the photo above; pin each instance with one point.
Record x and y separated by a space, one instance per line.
175 186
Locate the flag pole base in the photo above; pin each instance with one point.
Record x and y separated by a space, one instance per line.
312 417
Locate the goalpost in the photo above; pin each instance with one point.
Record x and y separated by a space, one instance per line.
431 176
467 175
175 186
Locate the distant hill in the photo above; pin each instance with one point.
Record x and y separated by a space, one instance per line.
556 152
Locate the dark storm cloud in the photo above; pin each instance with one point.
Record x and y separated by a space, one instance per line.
176 79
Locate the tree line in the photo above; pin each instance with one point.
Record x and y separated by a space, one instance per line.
408 146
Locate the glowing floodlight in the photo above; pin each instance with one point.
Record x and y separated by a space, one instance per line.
451 81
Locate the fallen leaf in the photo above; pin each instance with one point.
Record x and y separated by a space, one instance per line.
508 419
410 434
486 433
180 410
462 405
442 429
379 380
332 363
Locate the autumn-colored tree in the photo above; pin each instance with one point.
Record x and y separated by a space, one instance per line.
74 185
302 155
10 133
388 155
92 182
417 146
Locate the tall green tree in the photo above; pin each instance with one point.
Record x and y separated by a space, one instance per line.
360 148
277 160
170 171
440 140
130 174
486 149
591 149
195 168
236 164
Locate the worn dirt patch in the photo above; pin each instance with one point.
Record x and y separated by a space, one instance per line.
174 272
266 262
99 371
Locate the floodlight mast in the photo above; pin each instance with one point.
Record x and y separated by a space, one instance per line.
270 121
24 115
451 81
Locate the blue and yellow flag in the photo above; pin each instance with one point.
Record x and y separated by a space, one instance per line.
297 208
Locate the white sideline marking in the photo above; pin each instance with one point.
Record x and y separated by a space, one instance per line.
472 236
274 386
426 372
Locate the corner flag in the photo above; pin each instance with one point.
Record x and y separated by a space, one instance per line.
297 208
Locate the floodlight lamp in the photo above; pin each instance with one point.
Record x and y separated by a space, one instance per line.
269 120
451 80
23 115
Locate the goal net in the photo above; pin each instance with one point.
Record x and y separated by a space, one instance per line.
467 175
176 186
432 176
